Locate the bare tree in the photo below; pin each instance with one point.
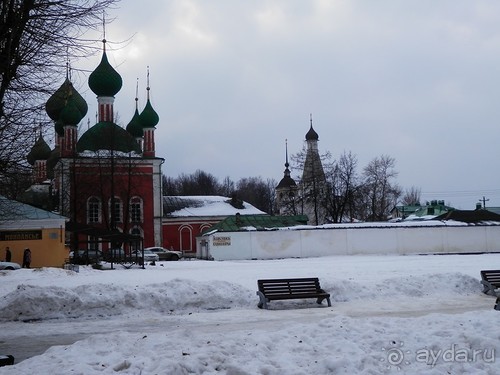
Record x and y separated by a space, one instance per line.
257 192
342 184
271 188
36 39
227 187
379 190
169 186
198 183
253 190
411 196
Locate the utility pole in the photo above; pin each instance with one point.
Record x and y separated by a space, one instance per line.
484 200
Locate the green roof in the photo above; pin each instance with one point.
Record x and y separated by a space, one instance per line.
107 135
148 117
57 101
39 151
238 223
134 127
105 80
430 210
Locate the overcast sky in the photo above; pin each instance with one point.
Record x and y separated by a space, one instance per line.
231 80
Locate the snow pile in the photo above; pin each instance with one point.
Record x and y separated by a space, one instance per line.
388 313
181 296
29 302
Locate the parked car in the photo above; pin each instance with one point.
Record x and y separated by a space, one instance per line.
115 255
165 254
9 266
149 256
83 256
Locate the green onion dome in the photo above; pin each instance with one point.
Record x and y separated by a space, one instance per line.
39 151
134 127
57 101
107 135
105 80
70 115
149 118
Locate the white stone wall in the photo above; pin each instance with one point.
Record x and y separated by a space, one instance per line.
347 240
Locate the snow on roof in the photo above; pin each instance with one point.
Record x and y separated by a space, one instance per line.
12 210
205 205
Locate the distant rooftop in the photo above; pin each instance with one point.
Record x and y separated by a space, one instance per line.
237 223
209 205
471 216
11 210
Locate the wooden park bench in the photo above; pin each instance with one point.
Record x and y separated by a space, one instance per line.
283 289
491 281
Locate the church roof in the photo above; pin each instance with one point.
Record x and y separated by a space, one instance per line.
311 135
148 117
134 127
70 114
57 101
107 135
286 183
39 151
105 80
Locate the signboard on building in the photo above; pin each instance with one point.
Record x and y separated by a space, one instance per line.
21 235
221 241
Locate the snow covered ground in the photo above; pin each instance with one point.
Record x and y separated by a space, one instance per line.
389 314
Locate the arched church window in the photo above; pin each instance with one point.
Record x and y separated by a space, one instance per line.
136 210
93 210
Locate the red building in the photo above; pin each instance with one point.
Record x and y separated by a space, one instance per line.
186 217
109 178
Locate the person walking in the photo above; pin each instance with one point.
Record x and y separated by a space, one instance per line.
8 254
26 258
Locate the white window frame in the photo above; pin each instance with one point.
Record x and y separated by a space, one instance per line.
93 210
136 210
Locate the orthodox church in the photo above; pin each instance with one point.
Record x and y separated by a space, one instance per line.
304 198
108 180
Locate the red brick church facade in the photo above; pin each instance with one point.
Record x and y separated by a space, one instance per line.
107 182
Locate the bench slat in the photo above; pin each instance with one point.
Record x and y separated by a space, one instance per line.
491 281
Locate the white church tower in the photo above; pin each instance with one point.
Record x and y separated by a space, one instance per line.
313 184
